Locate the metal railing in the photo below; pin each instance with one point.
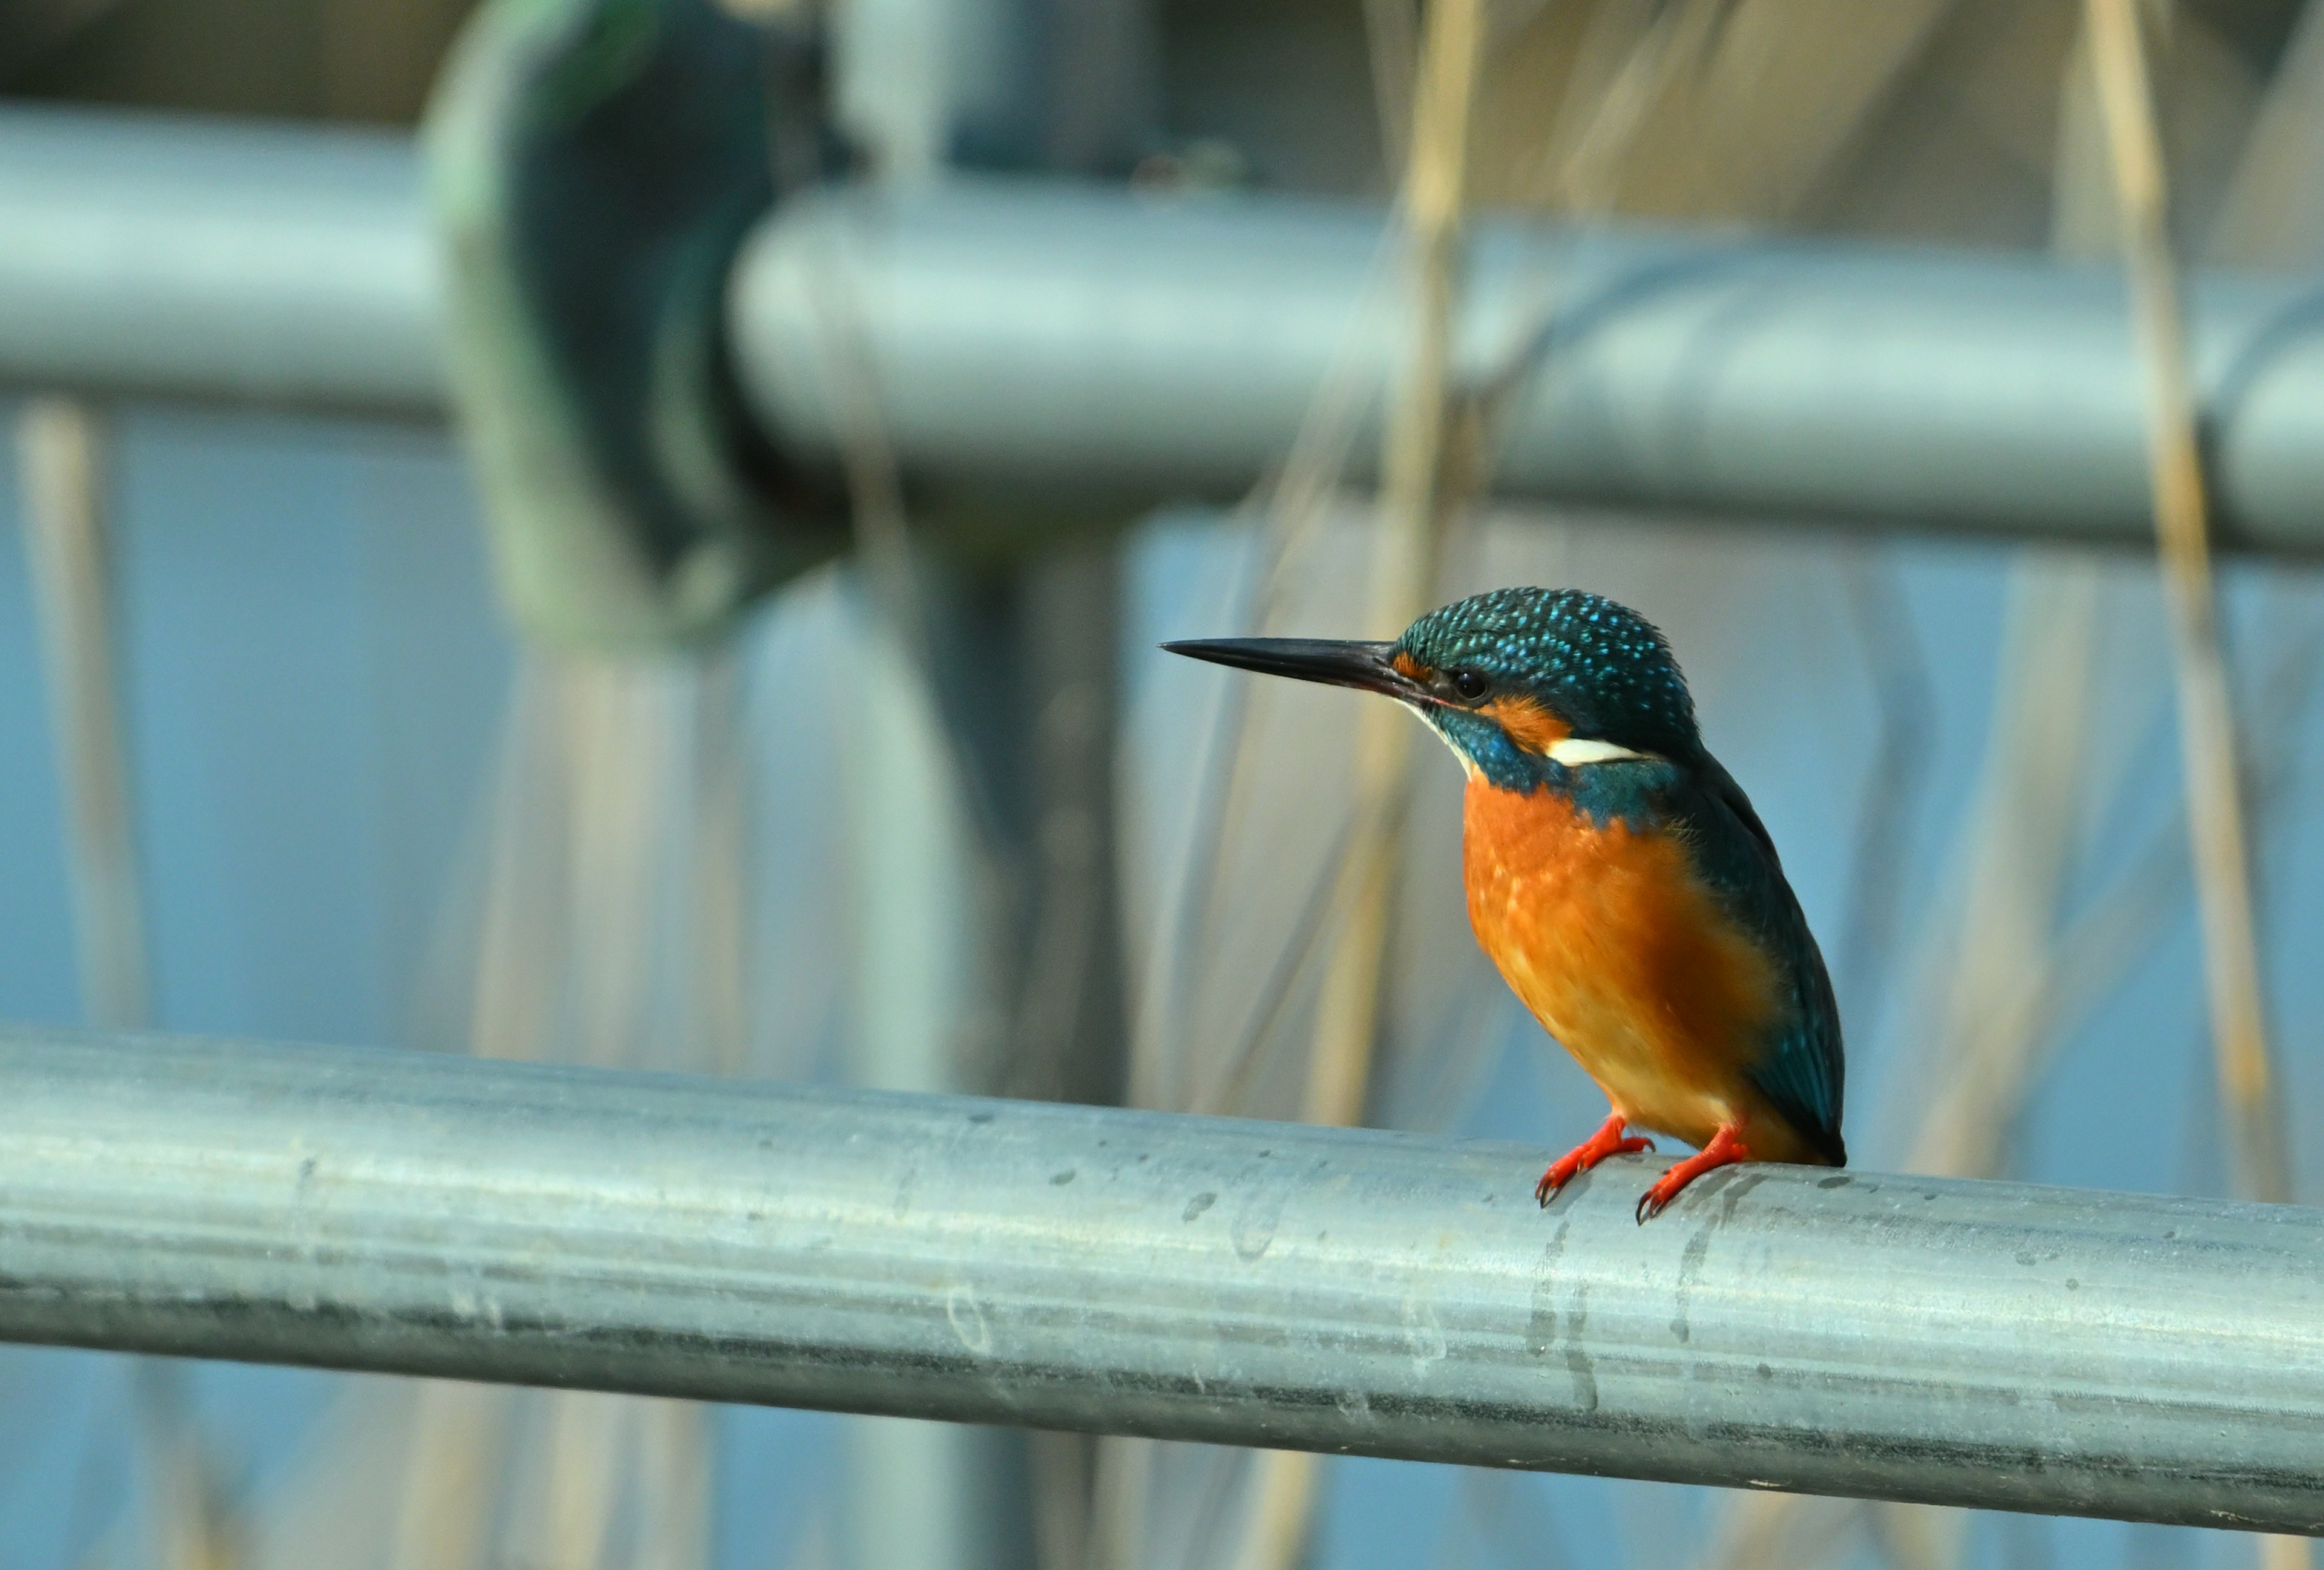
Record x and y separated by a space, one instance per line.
148 254
1047 336
1911 1338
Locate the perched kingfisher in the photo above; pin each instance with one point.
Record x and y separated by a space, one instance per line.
1616 872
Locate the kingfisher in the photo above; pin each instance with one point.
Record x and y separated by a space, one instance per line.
1616 873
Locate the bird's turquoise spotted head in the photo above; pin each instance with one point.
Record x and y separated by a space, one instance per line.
1555 670
1513 679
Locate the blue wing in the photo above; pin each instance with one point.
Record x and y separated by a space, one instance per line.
1804 1071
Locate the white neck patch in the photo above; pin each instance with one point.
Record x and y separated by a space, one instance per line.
1573 751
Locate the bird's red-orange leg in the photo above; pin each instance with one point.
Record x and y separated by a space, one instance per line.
1607 1142
1724 1150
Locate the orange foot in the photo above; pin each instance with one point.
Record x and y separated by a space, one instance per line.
1724 1150
1607 1142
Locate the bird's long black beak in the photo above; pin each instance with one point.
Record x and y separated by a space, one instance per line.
1365 666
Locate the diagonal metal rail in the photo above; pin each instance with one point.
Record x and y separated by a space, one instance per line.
1909 1338
1041 336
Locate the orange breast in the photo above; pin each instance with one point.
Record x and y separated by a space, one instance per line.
1623 955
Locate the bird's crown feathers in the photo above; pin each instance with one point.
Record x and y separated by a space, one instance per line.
1600 666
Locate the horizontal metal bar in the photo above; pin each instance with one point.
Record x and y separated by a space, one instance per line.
1249 1283
216 259
1040 335
1085 336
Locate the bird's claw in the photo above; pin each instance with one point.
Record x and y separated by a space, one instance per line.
1657 1198
1724 1149
1576 1162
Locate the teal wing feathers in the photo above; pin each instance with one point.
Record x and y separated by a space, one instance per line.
1803 1072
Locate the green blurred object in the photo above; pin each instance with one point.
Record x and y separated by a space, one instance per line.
592 166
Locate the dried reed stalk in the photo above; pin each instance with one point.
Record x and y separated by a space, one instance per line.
2182 533
2207 727
60 442
1416 500
1417 495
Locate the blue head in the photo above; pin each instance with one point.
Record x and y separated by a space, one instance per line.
1524 683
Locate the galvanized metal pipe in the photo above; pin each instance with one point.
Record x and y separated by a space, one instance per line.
269 265
1039 335
1094 336
994 1261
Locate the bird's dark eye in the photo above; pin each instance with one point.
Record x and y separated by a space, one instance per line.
1469 685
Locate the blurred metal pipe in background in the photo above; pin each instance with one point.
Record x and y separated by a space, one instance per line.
1915 1338
1041 335
1075 337
181 257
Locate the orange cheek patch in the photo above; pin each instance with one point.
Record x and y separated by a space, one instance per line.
1409 668
1530 725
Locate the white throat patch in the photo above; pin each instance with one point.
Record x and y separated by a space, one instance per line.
1576 751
